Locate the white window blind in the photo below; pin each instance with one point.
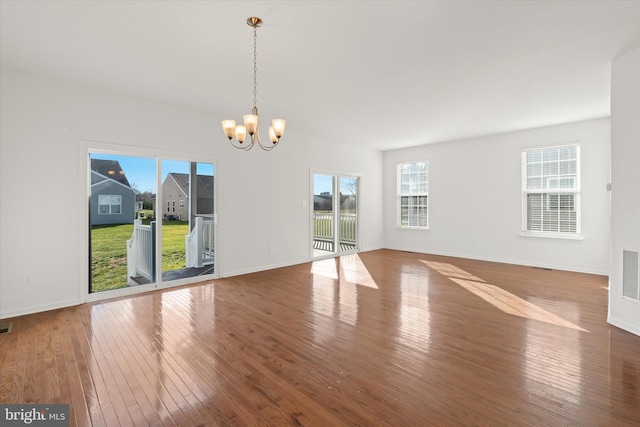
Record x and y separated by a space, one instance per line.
551 189
413 194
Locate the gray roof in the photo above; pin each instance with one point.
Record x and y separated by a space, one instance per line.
204 182
110 169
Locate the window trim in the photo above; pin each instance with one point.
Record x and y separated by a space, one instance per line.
576 191
400 195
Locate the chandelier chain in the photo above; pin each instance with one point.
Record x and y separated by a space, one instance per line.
255 67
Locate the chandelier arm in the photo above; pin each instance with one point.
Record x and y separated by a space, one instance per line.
256 137
239 146
266 147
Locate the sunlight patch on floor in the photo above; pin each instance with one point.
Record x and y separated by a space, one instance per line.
451 270
326 268
498 297
346 269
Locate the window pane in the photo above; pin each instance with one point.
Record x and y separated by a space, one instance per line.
568 183
534 169
534 183
568 152
565 167
534 156
550 154
550 168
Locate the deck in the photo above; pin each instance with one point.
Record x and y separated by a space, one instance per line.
183 273
325 245
320 247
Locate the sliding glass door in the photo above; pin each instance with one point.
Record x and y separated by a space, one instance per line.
335 215
151 221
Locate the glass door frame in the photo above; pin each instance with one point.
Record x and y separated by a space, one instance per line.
84 191
336 176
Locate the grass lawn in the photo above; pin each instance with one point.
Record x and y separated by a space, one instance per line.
109 252
173 251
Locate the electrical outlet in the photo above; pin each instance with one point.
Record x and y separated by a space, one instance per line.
270 248
27 280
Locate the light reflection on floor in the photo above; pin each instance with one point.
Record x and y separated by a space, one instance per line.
498 297
335 287
415 313
347 269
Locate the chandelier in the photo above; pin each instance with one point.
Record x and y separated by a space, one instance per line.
250 126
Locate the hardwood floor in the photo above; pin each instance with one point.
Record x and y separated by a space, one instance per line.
377 338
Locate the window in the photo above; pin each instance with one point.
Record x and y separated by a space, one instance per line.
109 204
182 203
413 194
551 190
168 207
173 206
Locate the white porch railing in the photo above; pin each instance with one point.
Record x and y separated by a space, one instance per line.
140 251
199 243
323 227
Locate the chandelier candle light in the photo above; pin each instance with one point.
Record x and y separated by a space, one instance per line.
251 120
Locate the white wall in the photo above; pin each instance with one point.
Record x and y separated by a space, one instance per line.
475 199
625 176
43 125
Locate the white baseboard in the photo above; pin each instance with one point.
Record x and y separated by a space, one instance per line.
263 268
39 308
618 323
504 261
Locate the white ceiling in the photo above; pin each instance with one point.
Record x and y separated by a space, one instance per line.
388 74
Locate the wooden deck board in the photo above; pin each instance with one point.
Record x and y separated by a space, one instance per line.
376 338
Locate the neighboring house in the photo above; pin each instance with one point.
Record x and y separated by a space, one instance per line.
175 190
112 198
324 202
145 206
